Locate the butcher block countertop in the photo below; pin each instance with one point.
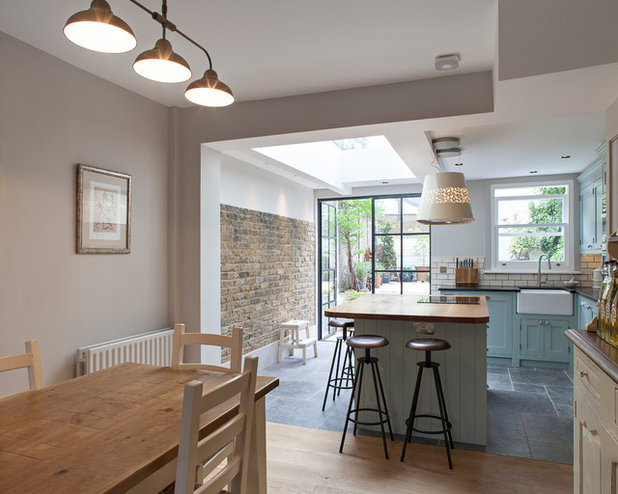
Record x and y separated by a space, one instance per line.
394 307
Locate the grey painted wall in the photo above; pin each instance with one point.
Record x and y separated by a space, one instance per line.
53 116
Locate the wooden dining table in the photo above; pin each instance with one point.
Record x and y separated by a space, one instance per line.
112 431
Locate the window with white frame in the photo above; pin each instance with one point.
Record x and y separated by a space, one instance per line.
529 220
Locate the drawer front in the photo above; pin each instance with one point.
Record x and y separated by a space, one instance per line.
589 379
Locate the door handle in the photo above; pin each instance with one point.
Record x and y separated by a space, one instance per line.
583 374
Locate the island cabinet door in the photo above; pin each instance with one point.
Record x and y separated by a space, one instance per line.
532 338
588 449
500 327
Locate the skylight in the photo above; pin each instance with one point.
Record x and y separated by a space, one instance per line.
353 162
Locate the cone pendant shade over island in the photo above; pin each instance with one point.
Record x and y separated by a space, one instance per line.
445 200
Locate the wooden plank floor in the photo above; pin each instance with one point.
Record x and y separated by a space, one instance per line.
307 461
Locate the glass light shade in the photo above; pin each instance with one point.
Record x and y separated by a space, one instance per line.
162 64
98 29
209 91
445 200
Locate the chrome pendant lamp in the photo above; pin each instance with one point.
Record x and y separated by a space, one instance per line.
99 29
445 200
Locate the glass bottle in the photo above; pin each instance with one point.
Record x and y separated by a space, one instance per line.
603 294
610 309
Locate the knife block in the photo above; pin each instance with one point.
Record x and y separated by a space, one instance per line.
466 277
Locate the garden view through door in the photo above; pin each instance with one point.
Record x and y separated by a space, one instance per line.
371 245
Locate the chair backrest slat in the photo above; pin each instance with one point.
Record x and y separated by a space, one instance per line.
192 453
30 360
181 338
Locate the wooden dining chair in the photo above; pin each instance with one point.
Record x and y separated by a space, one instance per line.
234 343
202 461
31 359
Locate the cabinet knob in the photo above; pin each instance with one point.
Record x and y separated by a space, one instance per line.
541 323
583 374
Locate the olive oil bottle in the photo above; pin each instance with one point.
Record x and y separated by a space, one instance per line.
605 289
611 309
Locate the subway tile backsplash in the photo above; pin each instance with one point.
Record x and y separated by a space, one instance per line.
588 263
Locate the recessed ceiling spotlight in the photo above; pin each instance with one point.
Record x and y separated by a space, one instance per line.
565 156
384 182
534 171
458 164
447 62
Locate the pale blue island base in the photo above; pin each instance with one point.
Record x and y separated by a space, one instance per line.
463 368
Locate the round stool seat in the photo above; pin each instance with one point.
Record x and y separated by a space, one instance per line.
367 341
428 344
341 323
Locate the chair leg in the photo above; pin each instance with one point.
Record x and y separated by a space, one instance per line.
304 354
347 415
417 389
330 374
375 386
315 350
442 418
388 417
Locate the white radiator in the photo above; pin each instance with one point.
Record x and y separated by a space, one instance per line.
154 348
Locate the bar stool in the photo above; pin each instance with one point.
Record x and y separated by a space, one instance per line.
429 345
347 371
367 342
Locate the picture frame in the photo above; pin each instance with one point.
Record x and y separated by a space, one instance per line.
103 211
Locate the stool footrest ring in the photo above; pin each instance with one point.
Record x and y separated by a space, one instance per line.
375 410
449 426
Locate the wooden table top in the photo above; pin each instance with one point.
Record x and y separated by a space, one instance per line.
392 307
602 353
103 432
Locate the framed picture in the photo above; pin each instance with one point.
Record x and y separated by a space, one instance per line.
103 211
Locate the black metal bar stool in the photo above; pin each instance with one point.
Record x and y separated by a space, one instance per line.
429 345
367 342
345 380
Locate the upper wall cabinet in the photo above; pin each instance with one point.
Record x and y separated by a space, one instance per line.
592 207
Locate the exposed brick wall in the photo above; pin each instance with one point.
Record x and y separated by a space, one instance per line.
267 273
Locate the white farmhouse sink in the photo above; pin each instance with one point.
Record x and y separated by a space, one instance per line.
551 302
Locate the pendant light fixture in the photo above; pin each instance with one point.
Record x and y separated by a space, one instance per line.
162 64
99 29
209 91
445 200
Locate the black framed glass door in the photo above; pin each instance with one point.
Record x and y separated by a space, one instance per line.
328 259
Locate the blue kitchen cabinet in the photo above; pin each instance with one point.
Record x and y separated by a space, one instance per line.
501 306
586 310
542 339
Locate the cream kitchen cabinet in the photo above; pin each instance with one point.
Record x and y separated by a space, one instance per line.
595 429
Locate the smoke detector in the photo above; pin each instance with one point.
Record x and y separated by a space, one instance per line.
447 62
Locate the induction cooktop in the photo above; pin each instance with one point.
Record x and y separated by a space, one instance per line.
449 299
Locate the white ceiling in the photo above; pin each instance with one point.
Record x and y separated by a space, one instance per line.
277 48
273 48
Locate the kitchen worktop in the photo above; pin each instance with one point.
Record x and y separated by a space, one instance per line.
600 352
407 308
589 292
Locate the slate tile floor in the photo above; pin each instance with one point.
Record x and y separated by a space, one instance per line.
529 411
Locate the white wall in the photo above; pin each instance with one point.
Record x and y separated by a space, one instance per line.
246 186
53 116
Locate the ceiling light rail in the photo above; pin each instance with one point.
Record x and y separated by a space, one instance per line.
98 29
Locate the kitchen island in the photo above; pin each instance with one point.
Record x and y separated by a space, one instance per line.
463 367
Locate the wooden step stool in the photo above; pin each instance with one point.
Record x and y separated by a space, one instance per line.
293 340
